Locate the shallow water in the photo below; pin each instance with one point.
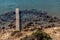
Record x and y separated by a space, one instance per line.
51 6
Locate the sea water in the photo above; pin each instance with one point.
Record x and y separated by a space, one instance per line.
51 6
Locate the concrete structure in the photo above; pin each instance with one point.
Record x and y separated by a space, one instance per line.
17 19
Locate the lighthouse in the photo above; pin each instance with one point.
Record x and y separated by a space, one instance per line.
17 19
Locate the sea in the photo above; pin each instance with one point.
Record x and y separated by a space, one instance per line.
50 6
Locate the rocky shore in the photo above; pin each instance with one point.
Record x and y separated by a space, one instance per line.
31 20
31 17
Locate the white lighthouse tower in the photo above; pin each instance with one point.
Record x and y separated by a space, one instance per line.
17 19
